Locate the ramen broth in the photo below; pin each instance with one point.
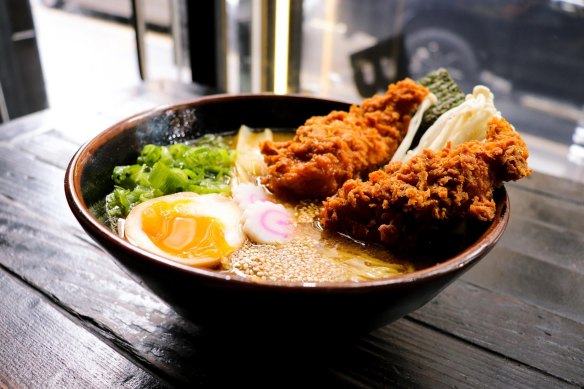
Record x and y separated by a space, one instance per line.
316 255
313 254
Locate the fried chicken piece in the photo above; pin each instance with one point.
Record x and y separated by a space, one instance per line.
410 199
328 150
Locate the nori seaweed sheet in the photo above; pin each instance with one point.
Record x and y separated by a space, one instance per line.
446 90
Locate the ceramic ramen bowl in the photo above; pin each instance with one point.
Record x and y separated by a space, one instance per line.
222 301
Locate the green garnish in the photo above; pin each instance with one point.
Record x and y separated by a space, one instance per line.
201 167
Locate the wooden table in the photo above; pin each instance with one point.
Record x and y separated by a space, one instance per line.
69 317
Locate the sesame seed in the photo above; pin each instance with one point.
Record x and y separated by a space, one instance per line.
299 260
308 257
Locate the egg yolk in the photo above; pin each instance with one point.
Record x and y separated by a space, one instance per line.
178 233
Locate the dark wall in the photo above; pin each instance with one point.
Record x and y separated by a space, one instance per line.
21 77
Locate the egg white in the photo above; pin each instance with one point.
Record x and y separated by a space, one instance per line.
215 206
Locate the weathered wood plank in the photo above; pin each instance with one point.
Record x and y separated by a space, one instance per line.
50 147
41 348
33 123
556 245
559 188
81 125
546 209
35 185
84 281
510 327
407 355
526 278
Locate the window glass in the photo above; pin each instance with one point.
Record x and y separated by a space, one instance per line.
530 53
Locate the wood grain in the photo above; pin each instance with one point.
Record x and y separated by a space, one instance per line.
50 147
34 185
41 348
515 320
34 123
510 327
426 363
528 279
572 192
84 282
544 208
556 245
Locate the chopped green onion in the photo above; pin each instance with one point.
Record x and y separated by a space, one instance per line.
203 167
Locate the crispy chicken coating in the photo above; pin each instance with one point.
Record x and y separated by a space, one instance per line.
404 199
328 150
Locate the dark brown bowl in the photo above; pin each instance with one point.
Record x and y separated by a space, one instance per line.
219 301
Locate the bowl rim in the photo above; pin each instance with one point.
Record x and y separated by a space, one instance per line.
475 251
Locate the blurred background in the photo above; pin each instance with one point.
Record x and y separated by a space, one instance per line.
67 55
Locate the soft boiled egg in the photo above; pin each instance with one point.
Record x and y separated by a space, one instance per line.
193 229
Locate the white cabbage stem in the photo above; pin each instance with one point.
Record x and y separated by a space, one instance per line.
413 127
465 122
250 161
